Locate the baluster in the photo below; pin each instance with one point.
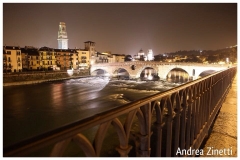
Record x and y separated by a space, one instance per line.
177 109
158 125
123 148
59 148
142 139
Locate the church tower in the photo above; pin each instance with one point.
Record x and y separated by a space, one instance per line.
62 36
90 46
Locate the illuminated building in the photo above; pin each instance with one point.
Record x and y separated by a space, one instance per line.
48 58
12 60
90 46
64 58
116 58
62 36
140 56
31 59
83 58
150 56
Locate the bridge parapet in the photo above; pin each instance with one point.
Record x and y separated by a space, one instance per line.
177 118
158 63
162 68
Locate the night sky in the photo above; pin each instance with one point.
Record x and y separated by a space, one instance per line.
123 28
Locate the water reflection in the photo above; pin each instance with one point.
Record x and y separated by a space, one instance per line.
57 95
178 76
43 107
149 74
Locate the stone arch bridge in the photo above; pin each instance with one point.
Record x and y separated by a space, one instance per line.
162 69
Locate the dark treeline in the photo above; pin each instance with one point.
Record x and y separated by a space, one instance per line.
210 56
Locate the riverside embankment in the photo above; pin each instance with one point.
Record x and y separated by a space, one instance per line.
22 78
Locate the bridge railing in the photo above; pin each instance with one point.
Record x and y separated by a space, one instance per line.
161 63
169 121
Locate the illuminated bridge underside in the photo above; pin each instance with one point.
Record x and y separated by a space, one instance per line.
162 69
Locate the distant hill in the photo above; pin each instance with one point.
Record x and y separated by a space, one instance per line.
211 56
206 52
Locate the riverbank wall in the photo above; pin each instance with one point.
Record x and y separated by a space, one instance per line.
39 77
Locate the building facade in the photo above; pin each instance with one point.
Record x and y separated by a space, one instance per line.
150 56
31 59
90 46
12 60
140 56
75 60
83 59
24 56
118 58
48 59
64 58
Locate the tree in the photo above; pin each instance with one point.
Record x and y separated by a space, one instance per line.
128 58
212 58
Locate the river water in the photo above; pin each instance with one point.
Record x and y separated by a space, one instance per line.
29 110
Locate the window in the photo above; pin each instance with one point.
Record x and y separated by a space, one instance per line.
18 53
83 52
9 59
8 52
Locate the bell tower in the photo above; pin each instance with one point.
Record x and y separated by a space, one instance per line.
62 36
90 46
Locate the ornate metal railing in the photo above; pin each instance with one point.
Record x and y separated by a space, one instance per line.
179 118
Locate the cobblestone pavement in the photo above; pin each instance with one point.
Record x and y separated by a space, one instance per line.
222 141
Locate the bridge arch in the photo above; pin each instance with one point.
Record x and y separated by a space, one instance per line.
178 74
164 70
100 72
175 72
121 73
142 68
206 73
149 73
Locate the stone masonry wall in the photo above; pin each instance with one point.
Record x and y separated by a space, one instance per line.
31 76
